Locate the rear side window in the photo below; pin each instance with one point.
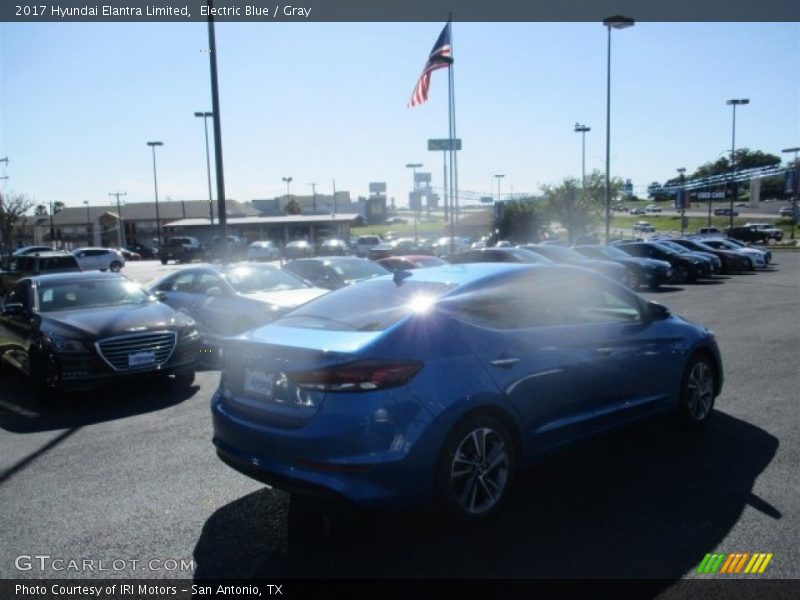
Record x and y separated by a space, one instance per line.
368 306
58 262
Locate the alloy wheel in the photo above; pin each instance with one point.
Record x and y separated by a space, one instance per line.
480 471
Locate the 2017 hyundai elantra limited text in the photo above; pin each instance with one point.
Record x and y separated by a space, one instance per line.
439 384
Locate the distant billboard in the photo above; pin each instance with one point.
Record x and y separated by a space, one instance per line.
487 199
422 177
377 187
444 144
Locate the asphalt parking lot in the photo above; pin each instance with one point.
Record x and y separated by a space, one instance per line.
129 474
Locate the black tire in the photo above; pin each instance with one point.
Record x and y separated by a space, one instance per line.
476 469
182 380
115 266
633 279
163 260
698 389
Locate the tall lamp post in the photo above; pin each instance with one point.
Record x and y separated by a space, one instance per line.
734 102
155 185
205 116
414 167
499 176
795 186
120 223
583 129
616 22
88 224
682 195
287 181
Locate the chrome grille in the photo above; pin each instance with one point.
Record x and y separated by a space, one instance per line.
115 351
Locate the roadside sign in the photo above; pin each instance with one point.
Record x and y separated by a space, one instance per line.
444 144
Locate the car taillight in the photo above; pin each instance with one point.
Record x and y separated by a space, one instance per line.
358 376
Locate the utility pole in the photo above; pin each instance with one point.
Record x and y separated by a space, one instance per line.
120 224
314 194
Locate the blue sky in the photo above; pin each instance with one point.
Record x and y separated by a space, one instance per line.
324 101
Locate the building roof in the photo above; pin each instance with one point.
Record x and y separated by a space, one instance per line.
282 220
146 211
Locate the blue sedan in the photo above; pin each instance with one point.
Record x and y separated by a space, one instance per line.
436 385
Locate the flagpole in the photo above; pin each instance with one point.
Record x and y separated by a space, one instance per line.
453 197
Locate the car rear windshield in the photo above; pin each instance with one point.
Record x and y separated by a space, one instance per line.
368 306
354 270
70 295
252 279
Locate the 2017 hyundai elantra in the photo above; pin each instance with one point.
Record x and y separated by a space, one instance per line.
439 384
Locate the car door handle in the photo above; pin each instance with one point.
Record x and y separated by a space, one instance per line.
504 363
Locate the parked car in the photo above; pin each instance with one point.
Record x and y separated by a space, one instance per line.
230 299
638 211
182 249
560 254
757 257
263 250
444 246
643 227
101 259
715 231
129 254
731 261
714 262
354 393
25 250
787 212
726 212
26 265
684 268
501 255
298 249
772 232
235 249
333 247
411 261
334 272
145 252
750 234
652 209
640 271
365 242
71 331
751 249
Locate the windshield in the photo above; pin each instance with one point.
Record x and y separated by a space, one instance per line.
556 253
677 247
354 270
611 252
70 295
369 306
247 280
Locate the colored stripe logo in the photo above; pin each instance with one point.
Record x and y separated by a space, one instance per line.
735 563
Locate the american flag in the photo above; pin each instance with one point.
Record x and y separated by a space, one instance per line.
441 56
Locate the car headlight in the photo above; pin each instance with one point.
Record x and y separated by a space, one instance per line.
66 345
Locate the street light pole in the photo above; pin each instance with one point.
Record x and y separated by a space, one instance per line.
314 195
499 176
155 185
287 181
204 116
414 167
582 129
120 224
734 102
682 171
616 22
795 186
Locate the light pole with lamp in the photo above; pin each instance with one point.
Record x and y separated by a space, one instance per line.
682 195
498 176
205 116
795 186
120 223
616 22
414 167
155 186
583 129
287 181
734 102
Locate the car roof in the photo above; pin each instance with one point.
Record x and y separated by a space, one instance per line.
74 276
46 253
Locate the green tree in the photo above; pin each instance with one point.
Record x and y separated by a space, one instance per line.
12 209
40 210
580 210
293 207
521 220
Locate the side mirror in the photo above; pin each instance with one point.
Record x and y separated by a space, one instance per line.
13 309
657 312
160 295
